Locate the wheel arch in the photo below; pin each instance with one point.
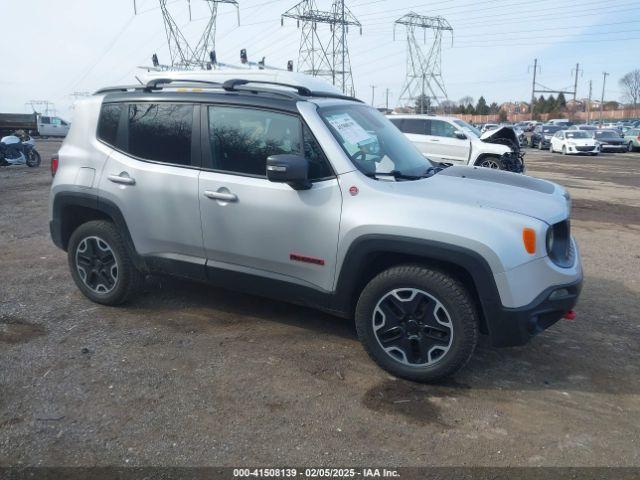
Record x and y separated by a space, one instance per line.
72 209
372 254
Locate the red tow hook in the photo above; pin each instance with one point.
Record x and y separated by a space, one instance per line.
570 315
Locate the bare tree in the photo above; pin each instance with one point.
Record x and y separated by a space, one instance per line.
465 101
630 84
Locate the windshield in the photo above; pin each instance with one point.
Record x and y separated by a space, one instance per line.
606 134
577 134
374 145
550 129
466 126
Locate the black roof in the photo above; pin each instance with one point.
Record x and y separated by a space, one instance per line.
236 91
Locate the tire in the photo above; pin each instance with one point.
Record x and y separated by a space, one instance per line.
564 149
101 265
33 160
453 323
490 161
541 146
630 147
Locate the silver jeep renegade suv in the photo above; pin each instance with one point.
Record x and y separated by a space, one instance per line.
316 199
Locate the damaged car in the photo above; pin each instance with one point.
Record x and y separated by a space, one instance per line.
452 141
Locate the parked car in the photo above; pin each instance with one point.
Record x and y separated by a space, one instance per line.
489 126
609 140
573 142
582 126
315 198
541 136
453 141
632 139
563 122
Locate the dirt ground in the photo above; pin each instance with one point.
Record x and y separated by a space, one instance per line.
191 375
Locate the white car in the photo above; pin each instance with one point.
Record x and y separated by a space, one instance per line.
573 142
453 141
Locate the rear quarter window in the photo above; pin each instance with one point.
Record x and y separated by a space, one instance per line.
108 122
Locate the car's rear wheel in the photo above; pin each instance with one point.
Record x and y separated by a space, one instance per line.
101 265
417 323
630 147
540 145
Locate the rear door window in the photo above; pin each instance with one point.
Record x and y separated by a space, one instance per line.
160 132
415 126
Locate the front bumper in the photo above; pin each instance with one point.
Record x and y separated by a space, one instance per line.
619 148
516 326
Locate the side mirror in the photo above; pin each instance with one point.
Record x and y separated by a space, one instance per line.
289 168
459 134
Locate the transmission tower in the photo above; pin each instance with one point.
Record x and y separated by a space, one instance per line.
328 59
182 55
424 73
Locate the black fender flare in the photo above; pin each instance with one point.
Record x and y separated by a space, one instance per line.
63 200
365 247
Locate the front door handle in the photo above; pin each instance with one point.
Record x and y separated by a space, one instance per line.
434 140
224 196
123 178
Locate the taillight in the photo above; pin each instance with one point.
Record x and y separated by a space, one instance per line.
54 165
638 137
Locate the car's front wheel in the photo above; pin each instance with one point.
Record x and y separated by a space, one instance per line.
630 147
491 161
101 265
417 323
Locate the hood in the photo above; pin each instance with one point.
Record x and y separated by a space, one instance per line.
499 133
496 189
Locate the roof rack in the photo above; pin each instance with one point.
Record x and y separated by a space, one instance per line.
230 86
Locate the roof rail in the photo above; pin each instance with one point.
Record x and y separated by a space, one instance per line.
230 86
156 83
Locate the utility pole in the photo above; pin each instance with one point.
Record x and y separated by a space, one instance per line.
386 103
533 86
373 95
423 65
589 103
604 81
575 83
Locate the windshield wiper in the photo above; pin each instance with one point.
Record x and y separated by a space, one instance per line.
397 174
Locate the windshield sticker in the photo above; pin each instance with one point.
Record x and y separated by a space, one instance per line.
349 129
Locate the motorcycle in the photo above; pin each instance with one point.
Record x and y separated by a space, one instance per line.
19 149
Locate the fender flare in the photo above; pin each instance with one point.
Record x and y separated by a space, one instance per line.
64 200
365 247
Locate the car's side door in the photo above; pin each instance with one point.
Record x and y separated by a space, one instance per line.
151 176
260 228
416 130
449 148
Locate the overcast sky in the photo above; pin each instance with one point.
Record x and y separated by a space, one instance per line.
51 49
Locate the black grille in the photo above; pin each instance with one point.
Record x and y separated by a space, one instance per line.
585 149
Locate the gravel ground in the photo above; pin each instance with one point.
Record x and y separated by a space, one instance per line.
191 375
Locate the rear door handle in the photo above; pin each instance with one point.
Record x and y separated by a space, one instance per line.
123 178
434 140
225 197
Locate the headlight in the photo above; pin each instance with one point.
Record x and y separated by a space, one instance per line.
550 240
571 143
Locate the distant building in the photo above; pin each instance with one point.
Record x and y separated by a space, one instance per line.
514 108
